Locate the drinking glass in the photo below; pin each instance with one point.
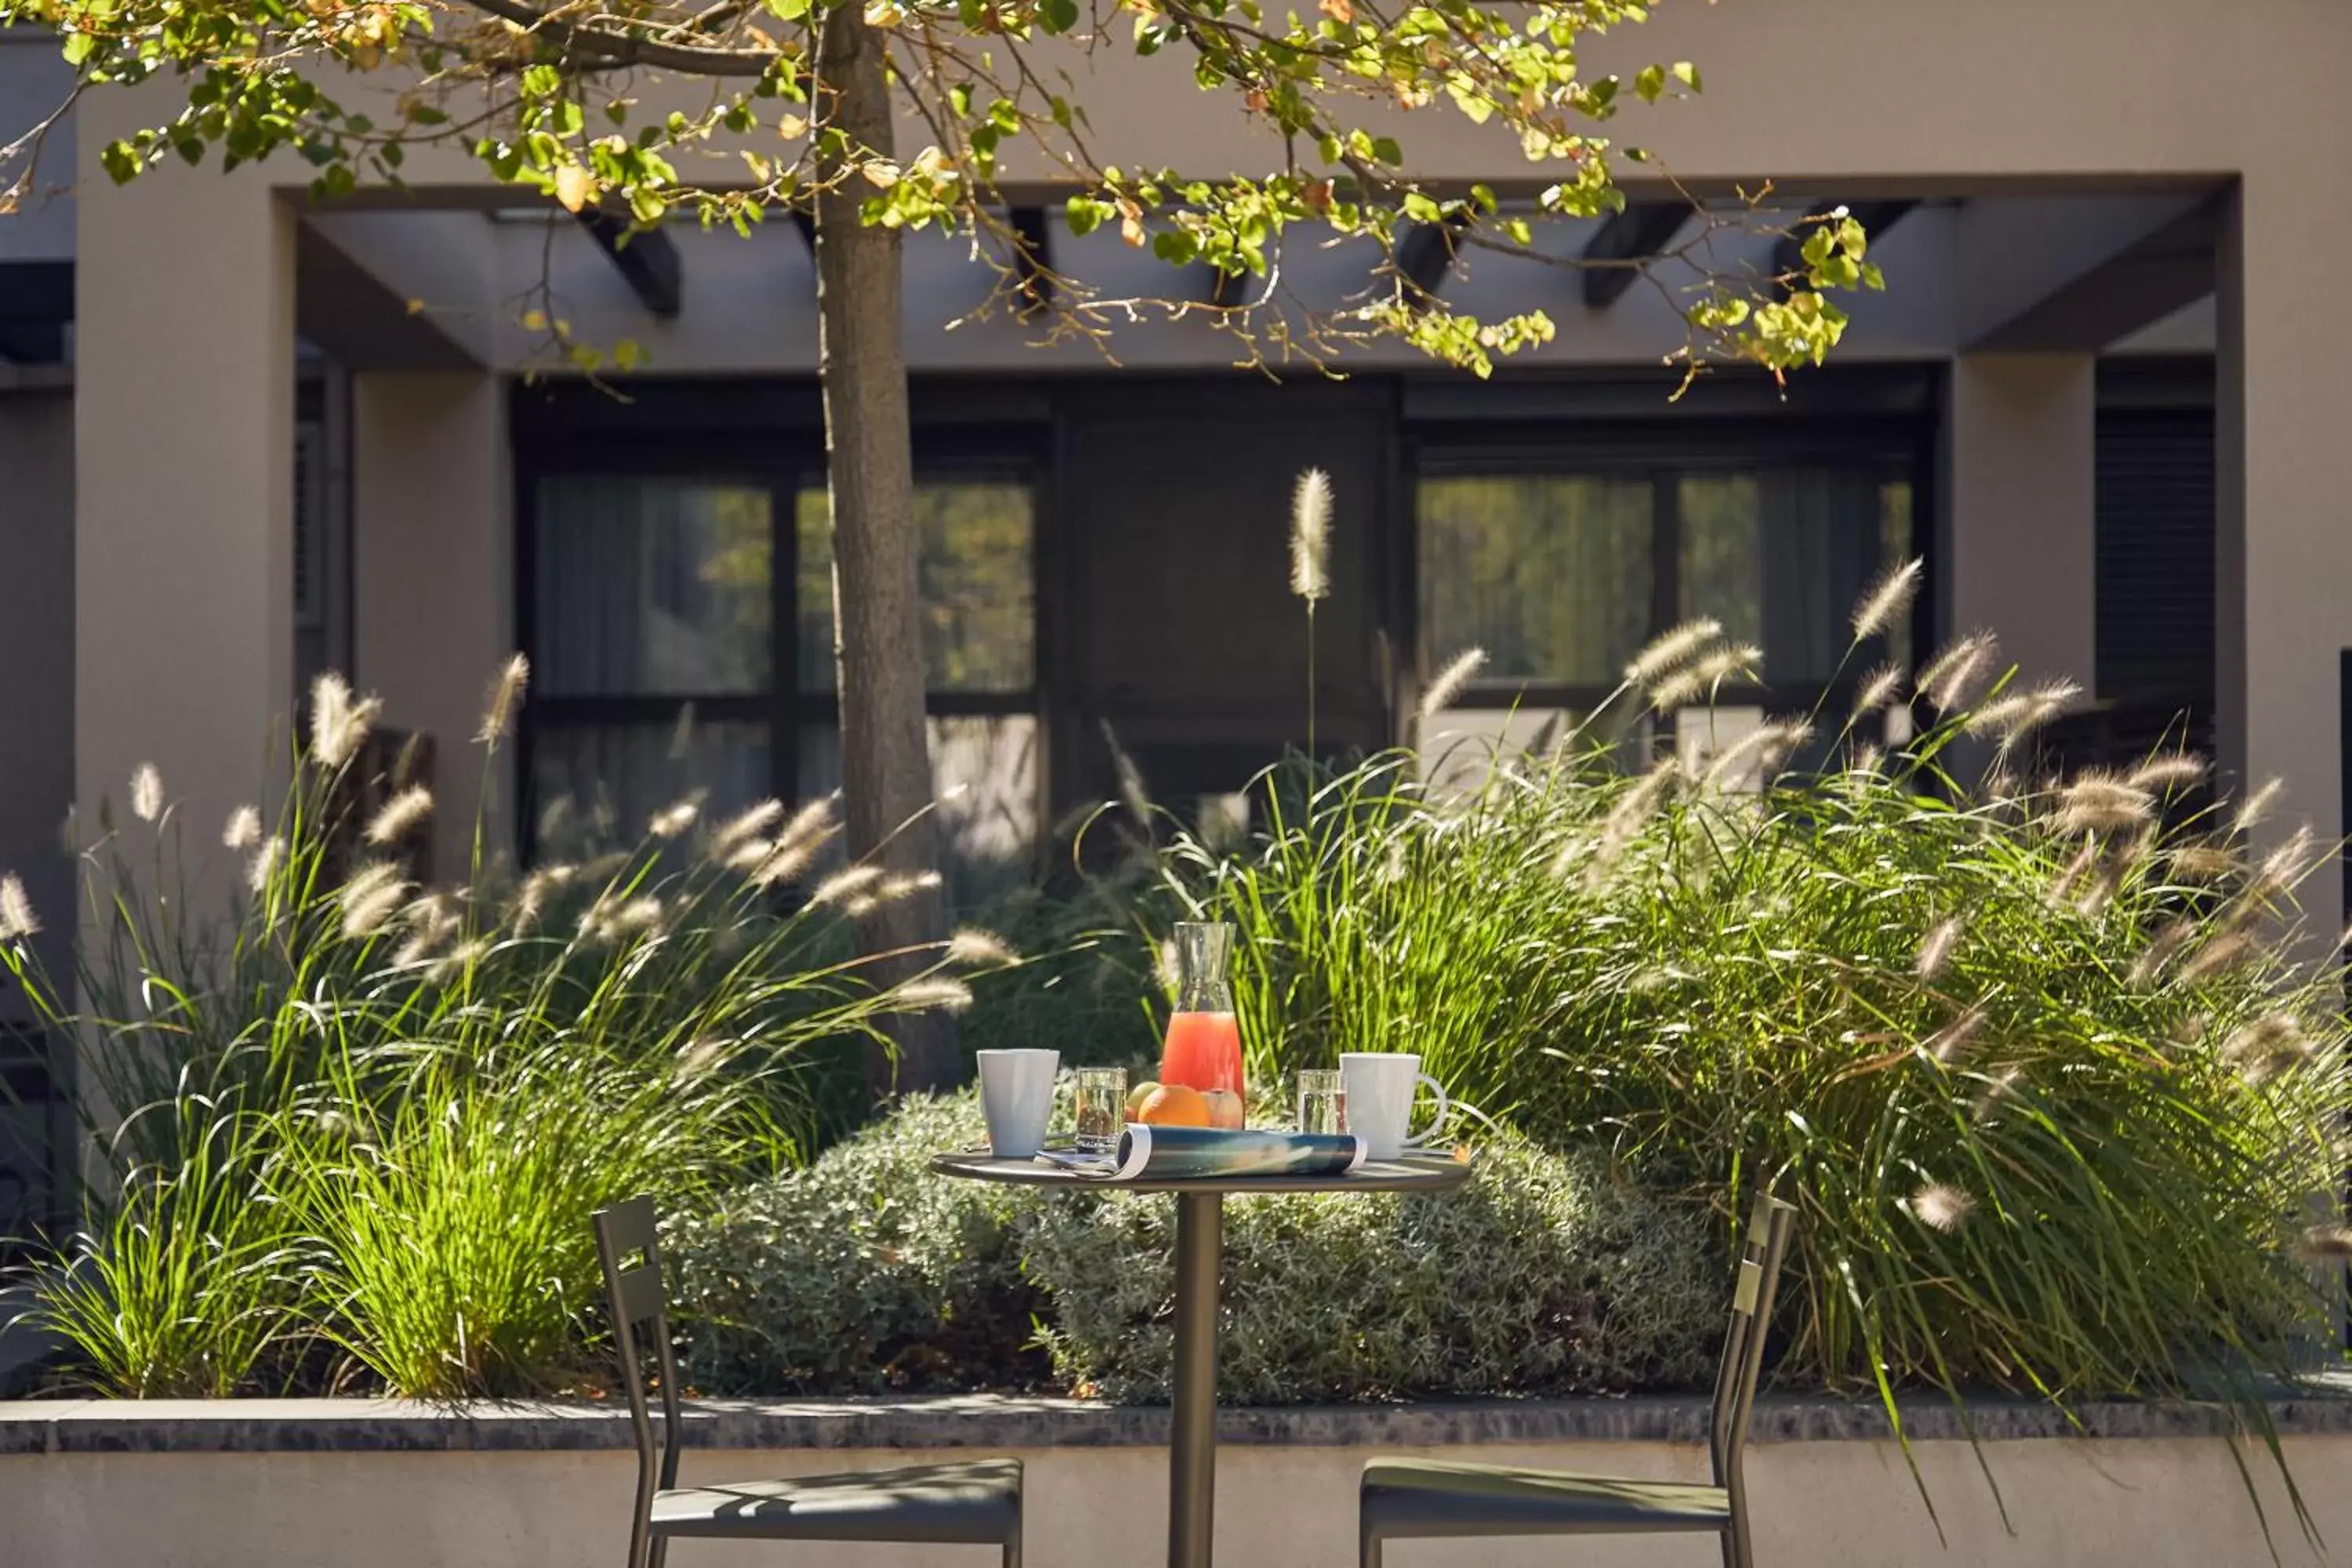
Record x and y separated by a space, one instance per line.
1322 1100
1102 1108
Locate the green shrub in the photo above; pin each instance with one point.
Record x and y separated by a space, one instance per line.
869 1271
2045 1064
353 1127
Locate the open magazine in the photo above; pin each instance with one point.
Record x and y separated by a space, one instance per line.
1186 1154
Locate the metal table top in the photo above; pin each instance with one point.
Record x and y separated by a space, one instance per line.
1413 1174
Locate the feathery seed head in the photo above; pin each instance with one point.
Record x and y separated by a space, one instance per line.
2019 714
264 864
2259 805
2286 865
1763 748
1310 536
2102 802
1954 676
1879 688
1936 948
400 815
1672 650
459 959
2164 774
675 818
1885 600
243 829
2202 862
1678 689
743 826
975 948
2217 957
147 792
372 897
936 993
1452 681
1941 1206
849 882
695 1058
505 697
2161 951
17 921
338 722
1951 1042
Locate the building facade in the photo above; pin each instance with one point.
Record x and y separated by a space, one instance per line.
242 438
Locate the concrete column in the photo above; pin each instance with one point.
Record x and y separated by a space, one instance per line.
433 575
2021 556
183 462
2284 472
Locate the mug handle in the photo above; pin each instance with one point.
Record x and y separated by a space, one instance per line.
1437 1122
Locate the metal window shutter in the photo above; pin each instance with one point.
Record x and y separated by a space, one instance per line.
2155 544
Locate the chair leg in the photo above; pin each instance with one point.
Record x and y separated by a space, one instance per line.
1013 1546
1367 1548
1737 1552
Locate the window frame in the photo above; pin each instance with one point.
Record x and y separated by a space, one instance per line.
1662 456
784 464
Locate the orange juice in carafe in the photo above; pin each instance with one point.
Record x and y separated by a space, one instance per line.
1202 1049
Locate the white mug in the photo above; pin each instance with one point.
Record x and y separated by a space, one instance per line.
1379 1087
1016 1092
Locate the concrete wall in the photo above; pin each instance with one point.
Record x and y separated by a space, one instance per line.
433 574
2121 1503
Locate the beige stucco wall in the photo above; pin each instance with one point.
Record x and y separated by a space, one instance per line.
432 574
2022 432
2138 1503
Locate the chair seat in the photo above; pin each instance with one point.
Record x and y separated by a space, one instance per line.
977 1501
1436 1498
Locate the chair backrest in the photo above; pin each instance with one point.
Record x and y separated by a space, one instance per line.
629 1247
1752 1294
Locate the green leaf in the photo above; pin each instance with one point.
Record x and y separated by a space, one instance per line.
1649 83
1057 16
79 47
1687 74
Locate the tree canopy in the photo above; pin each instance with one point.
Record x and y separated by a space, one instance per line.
724 113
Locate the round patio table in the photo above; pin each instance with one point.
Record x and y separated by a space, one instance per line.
1200 1245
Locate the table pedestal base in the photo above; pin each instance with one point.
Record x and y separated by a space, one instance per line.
1192 1469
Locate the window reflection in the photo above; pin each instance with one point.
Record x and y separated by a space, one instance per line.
1549 574
650 587
978 609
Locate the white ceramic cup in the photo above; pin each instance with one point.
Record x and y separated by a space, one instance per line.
1016 1092
1380 1087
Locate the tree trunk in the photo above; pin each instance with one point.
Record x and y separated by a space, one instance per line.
876 587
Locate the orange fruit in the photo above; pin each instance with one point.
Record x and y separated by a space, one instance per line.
1173 1105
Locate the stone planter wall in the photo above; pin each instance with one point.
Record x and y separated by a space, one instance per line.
309 1483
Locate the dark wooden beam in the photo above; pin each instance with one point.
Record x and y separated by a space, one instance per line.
360 322
647 258
2137 287
1425 254
1032 254
1613 256
1876 217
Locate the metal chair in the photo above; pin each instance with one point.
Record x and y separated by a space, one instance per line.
1408 1499
972 1502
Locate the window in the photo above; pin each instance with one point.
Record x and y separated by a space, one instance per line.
1562 574
654 601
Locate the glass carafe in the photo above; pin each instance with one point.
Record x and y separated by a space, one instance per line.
1203 1047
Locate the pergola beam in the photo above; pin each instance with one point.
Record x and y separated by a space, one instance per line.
2148 281
1876 217
1614 256
1425 254
646 259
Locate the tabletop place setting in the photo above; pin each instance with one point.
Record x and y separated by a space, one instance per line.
1187 1132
